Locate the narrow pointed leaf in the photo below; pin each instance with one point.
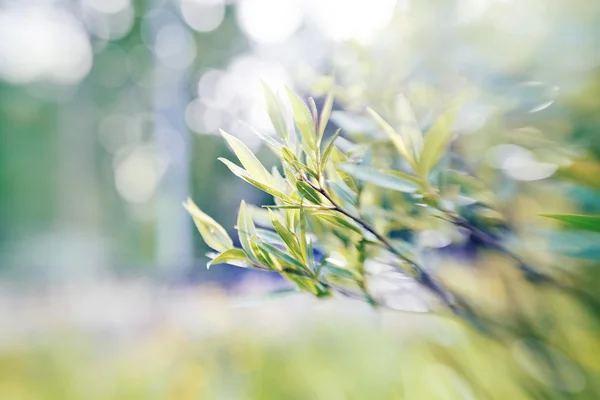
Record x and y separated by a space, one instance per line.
229 256
276 112
328 150
585 222
436 142
303 120
393 135
214 235
308 192
378 178
409 127
338 221
242 173
270 140
274 251
254 167
246 228
325 113
288 237
343 191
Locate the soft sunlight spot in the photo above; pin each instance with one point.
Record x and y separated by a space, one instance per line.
203 15
44 45
344 20
108 6
174 46
269 21
137 176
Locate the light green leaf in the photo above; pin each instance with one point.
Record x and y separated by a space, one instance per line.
308 192
409 127
242 173
236 255
276 112
394 137
274 251
337 220
328 150
304 122
325 113
214 235
246 229
436 142
288 237
343 191
404 176
585 222
254 167
378 178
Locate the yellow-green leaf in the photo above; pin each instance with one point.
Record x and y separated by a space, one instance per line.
276 112
304 121
409 127
436 142
246 229
394 136
244 175
254 167
308 192
328 150
234 256
288 237
214 235
325 113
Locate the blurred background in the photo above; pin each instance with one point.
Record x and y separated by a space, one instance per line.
109 117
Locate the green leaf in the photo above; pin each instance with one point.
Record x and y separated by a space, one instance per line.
378 178
214 235
243 174
404 176
325 113
304 122
343 191
585 222
254 167
328 150
274 251
436 142
394 137
288 237
308 192
409 127
276 112
338 272
337 220
227 256
246 229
